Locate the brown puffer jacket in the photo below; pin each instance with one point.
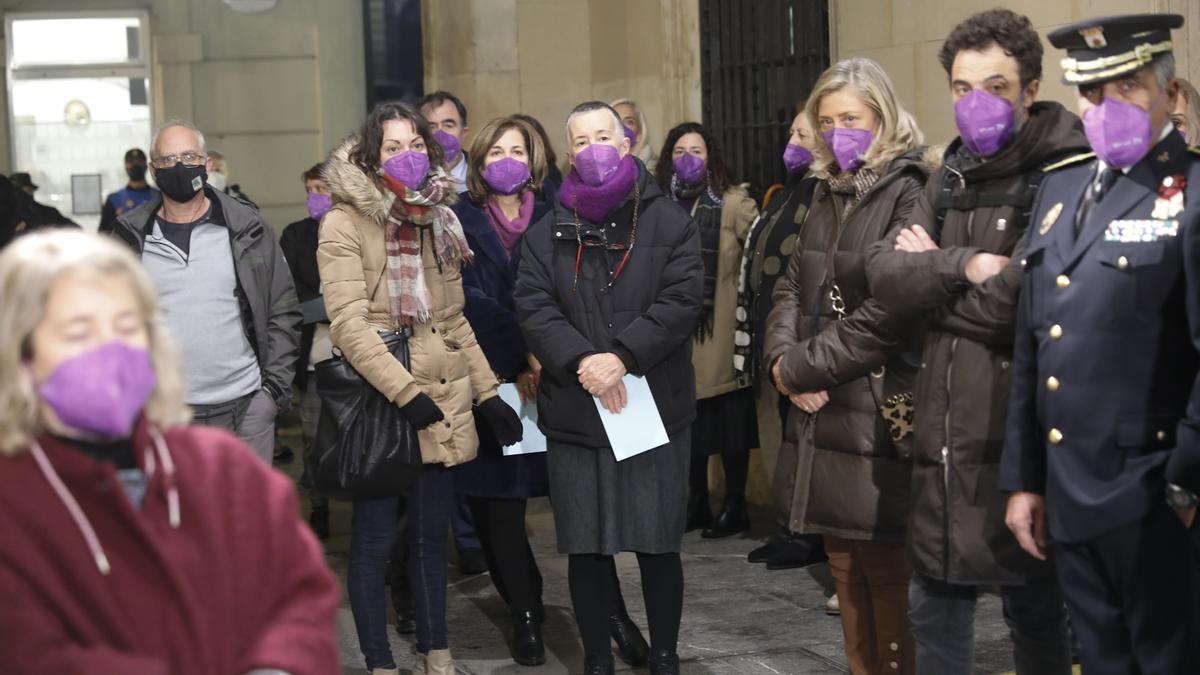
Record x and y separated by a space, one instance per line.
447 363
956 523
850 480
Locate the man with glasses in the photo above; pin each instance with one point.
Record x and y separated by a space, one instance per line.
226 294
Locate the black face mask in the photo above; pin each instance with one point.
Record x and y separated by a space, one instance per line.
181 182
137 173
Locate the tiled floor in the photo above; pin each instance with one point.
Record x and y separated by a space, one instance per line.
738 617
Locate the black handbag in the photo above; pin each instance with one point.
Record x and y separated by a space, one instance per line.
365 447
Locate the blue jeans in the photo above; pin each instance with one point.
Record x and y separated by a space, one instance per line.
943 618
372 538
430 502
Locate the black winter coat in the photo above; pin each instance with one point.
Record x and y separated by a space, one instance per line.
299 245
647 317
488 286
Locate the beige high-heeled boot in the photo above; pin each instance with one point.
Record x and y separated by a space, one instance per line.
436 662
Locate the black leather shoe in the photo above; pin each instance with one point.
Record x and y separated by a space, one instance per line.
471 561
799 551
663 662
528 648
733 520
318 520
598 666
762 553
699 515
631 646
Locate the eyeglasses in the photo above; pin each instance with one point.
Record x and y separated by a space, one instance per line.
187 159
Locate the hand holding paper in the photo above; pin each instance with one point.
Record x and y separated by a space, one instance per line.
638 427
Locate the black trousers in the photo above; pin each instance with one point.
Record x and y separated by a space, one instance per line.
500 524
1131 597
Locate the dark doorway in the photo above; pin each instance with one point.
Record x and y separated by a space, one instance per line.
392 39
758 59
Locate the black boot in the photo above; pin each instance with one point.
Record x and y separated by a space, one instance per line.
733 520
699 515
318 519
663 662
598 665
800 550
528 648
631 646
764 552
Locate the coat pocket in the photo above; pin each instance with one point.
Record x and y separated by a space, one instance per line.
1155 432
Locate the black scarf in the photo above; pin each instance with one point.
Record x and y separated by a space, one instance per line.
706 211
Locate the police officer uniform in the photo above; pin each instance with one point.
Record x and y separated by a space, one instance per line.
1104 388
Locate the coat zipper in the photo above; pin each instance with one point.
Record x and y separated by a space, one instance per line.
946 464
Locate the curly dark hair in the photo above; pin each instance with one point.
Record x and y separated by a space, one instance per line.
1013 32
365 153
718 175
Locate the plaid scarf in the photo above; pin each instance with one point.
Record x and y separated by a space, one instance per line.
412 214
852 186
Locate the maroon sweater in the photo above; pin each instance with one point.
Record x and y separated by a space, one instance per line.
241 584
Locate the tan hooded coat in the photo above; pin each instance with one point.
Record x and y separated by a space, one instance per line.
447 363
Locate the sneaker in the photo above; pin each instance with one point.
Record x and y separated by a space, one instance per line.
833 607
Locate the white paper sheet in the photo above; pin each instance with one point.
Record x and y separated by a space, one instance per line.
532 439
639 427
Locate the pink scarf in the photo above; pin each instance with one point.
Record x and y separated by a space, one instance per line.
510 231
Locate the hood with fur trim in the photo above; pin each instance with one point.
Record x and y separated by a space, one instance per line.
349 184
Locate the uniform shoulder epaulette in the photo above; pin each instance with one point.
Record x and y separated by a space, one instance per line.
1069 161
1194 149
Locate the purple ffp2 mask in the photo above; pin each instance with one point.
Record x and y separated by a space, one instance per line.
1119 132
689 168
597 163
102 391
450 145
985 122
506 176
848 146
318 204
796 158
409 167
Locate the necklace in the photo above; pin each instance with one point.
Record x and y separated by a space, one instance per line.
637 200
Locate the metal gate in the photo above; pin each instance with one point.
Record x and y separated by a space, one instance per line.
759 58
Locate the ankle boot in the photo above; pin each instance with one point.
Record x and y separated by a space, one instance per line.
599 665
436 662
631 646
663 662
733 520
318 520
528 648
699 514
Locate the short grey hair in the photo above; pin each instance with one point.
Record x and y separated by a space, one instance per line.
1164 68
587 107
171 124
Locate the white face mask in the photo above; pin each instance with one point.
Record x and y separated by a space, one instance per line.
218 181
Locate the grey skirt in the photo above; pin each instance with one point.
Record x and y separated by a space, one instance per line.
603 506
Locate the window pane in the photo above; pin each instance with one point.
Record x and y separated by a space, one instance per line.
67 42
77 126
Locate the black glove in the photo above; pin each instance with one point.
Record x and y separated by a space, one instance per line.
422 411
503 420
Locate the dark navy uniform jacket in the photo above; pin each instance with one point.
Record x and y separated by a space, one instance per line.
1104 383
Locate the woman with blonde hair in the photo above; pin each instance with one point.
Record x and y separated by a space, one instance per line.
845 363
130 542
636 130
1186 117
